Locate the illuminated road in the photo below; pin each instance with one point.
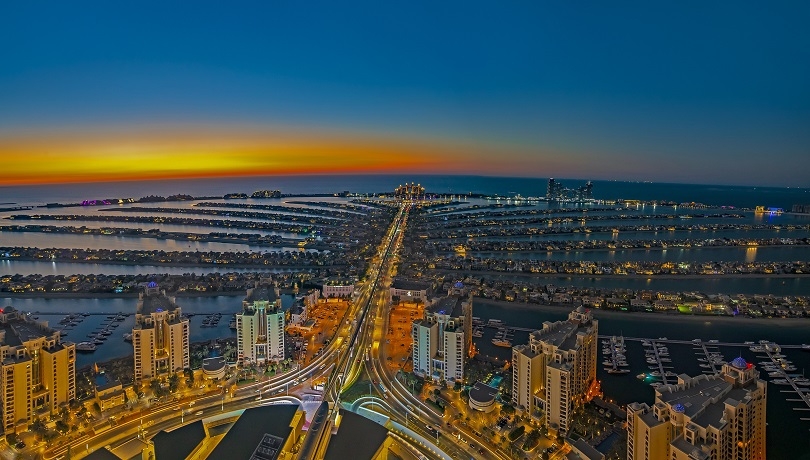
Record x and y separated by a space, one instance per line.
353 350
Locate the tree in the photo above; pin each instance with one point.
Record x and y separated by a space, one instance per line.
38 426
189 374
174 382
62 427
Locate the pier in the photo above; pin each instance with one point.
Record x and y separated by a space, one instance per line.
658 357
713 358
771 350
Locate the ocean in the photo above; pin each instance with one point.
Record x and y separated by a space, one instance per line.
718 195
787 435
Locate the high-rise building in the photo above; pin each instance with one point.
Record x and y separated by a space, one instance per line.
260 326
553 190
160 338
551 375
714 417
442 340
37 369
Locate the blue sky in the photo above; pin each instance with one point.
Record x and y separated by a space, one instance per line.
711 92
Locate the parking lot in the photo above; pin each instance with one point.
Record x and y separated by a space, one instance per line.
398 337
308 342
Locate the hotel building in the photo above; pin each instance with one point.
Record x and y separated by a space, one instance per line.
442 340
551 374
715 417
160 338
260 327
38 370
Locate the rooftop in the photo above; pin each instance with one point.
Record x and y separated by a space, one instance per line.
482 393
151 303
18 330
249 431
178 444
525 350
410 285
261 292
695 394
554 333
352 428
214 363
451 305
102 454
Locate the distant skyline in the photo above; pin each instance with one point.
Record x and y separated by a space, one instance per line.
686 93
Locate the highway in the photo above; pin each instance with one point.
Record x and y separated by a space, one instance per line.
355 349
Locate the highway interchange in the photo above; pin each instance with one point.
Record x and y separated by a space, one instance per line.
357 348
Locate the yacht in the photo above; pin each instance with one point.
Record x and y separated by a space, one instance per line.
501 343
617 371
86 347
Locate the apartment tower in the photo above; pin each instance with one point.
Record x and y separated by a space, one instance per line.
160 338
714 417
38 370
260 327
551 374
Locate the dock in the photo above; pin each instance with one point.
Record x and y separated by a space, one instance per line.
772 350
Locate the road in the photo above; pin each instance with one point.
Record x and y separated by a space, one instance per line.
355 349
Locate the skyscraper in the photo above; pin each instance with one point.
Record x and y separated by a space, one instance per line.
717 417
160 338
553 372
553 190
260 326
38 370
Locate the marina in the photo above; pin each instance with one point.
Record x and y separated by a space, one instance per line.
780 367
657 355
614 350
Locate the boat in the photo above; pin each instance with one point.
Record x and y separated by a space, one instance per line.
127 337
617 371
494 322
501 343
98 341
86 347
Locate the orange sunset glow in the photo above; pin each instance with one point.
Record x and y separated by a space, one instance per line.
64 158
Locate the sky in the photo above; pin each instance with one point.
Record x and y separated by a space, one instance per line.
691 92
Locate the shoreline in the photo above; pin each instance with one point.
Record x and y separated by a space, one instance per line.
545 308
111 295
476 252
174 264
467 272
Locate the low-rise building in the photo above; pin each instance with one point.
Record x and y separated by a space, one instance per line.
482 397
337 288
408 291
